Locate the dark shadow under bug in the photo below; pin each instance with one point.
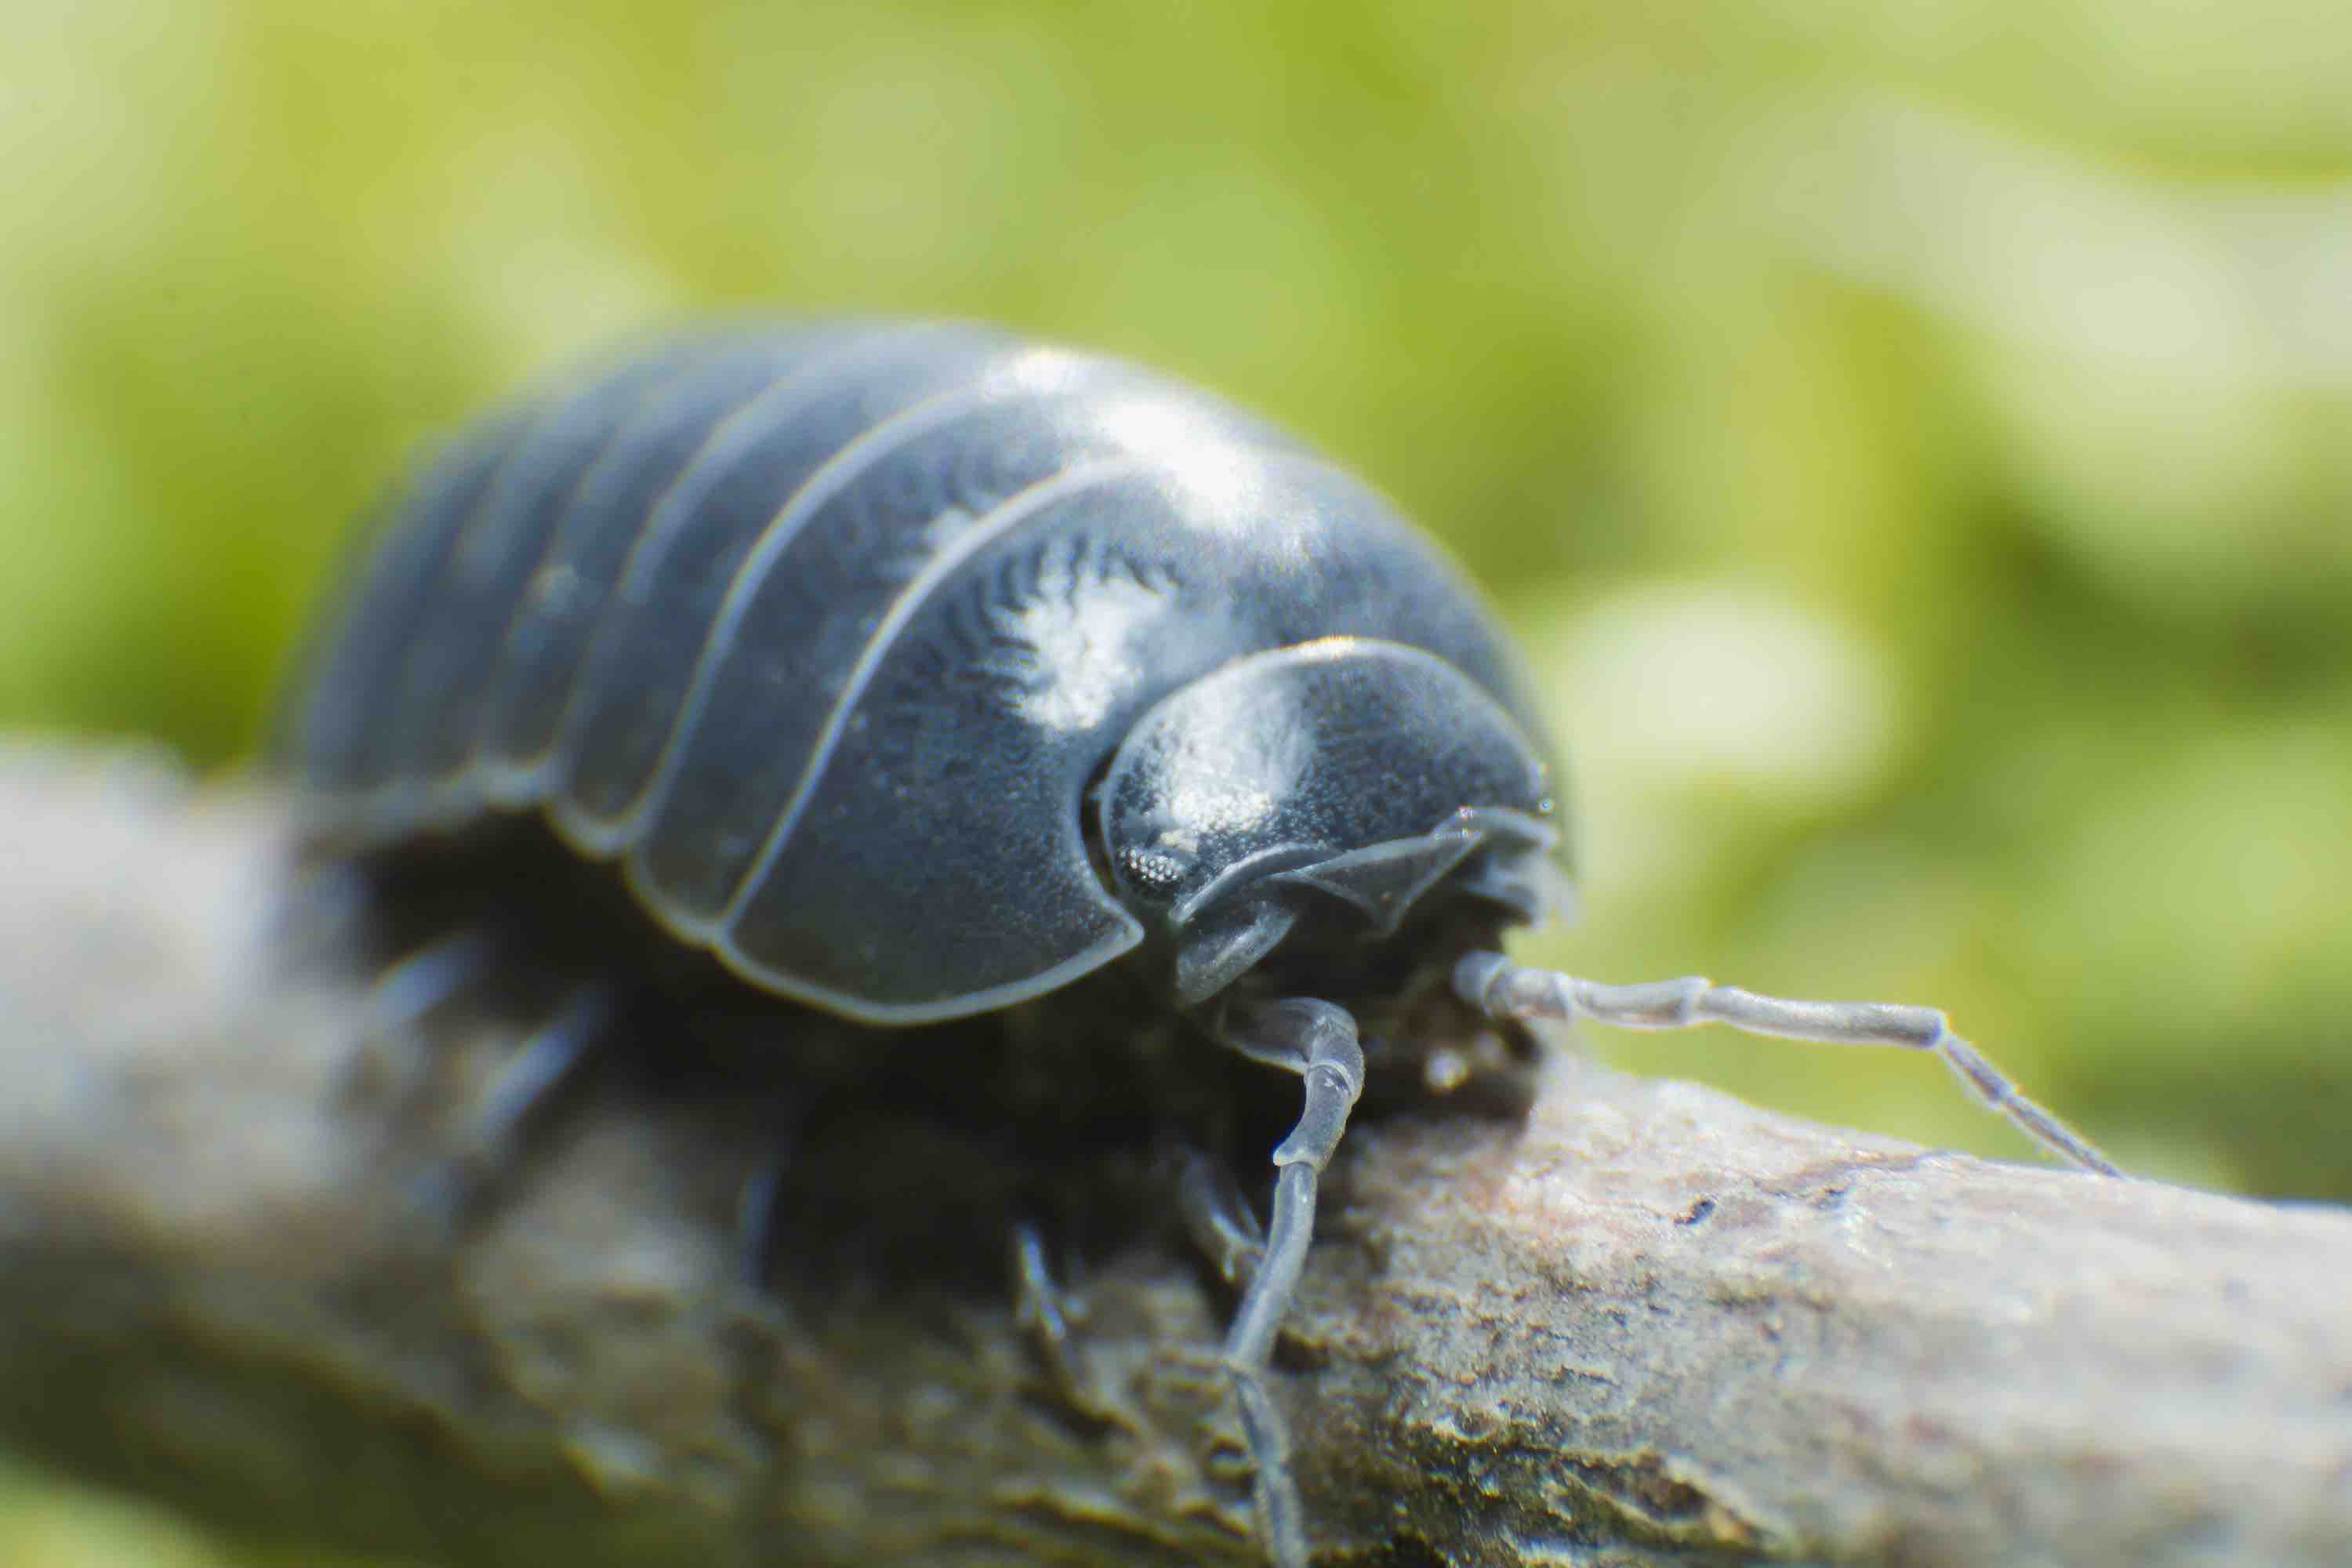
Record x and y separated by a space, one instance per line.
901 1158
984 1161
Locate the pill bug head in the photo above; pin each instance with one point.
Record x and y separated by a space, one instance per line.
1318 795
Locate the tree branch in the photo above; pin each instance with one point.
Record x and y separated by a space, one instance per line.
1646 1325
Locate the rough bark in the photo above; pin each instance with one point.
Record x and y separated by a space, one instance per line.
1646 1324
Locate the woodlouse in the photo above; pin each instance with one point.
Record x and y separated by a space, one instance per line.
916 671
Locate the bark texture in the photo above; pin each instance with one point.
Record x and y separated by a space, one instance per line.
1643 1324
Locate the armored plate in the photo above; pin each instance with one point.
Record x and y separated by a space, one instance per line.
823 633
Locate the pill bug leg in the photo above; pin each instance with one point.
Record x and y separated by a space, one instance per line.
1317 1041
407 991
760 1204
757 1205
1218 1218
1493 984
537 1071
1044 1311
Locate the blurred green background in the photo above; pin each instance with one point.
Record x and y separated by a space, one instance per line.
1911 436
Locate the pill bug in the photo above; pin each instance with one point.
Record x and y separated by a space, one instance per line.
916 671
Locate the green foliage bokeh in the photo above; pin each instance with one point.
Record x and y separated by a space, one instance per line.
1912 440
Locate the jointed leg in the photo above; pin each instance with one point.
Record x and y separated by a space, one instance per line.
403 996
543 1064
540 1067
759 1210
1317 1041
1493 984
414 987
1040 1312
1219 1218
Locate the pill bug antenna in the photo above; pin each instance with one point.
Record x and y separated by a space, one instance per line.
1317 1041
1501 988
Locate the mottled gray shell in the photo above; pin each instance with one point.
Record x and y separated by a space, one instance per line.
823 632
